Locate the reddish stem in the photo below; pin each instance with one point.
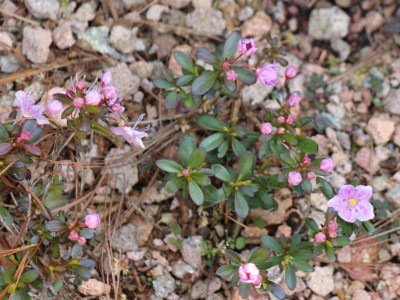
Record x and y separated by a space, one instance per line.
243 64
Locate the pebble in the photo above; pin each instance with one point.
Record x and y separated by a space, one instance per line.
94 287
124 238
383 153
208 20
6 38
327 23
253 231
380 183
62 35
10 7
381 129
85 13
321 280
344 140
96 39
256 94
125 40
202 3
284 229
176 3
360 138
133 2
344 254
142 229
9 64
396 137
276 217
142 68
203 288
367 160
192 251
123 79
343 3
319 201
374 20
257 26
341 47
164 285
136 255
245 13
361 295
325 120
36 44
392 105
179 269
157 193
155 11
394 194
43 9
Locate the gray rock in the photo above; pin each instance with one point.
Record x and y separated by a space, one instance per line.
327 23
191 250
344 140
43 9
208 20
126 40
394 195
155 11
96 39
341 47
321 280
9 64
380 183
176 3
123 79
392 105
202 288
124 239
245 13
164 285
85 13
325 120
36 44
256 93
360 138
179 269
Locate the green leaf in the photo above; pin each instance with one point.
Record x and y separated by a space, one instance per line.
206 56
197 158
306 185
231 45
170 100
186 148
204 83
67 112
241 205
209 122
287 159
174 184
196 193
312 224
163 84
245 75
5 148
221 173
342 241
368 227
303 255
84 122
168 75
257 255
272 244
227 270
63 98
176 228
169 166
347 228
3 132
6 216
29 276
223 148
76 251
299 123
240 243
229 93
184 61
233 257
184 80
277 291
54 199
290 277
57 285
330 252
302 265
325 188
289 138
244 289
273 182
201 179
55 226
238 147
87 233
245 163
306 145
213 141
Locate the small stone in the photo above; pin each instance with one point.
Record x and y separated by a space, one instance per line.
96 39
245 13
257 26
392 104
319 201
192 251
327 23
126 83
62 35
203 288
344 254
176 3
180 269
284 229
367 160
381 129
209 20
343 163
321 280
325 120
256 94
276 217
43 9
126 40
124 238
394 195
164 285
171 239
344 140
136 255
374 20
343 3
7 39
9 64
36 44
361 295
93 287
133 2
360 138
341 47
10 7
354 286
142 230
202 3
384 255
380 183
142 68
253 231
85 13
155 11
396 137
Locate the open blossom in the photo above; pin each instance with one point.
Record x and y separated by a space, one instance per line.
249 273
327 165
81 240
92 221
247 47
28 108
106 79
294 178
290 119
266 128
231 75
130 134
73 235
352 203
54 107
294 99
290 72
320 237
93 97
268 75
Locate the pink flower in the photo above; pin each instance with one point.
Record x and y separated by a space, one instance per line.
80 85
266 128
268 74
117 108
290 119
327 165
29 109
281 130
81 240
332 234
231 75
93 98
247 47
110 92
25 135
291 71
226 65
54 107
320 237
306 161
130 134
92 221
281 119
73 235
333 226
106 79
310 175
353 203
294 178
294 99
186 172
249 273
78 102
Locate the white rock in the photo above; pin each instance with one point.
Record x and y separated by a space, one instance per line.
208 20
155 11
327 23
93 287
43 9
191 250
36 44
321 280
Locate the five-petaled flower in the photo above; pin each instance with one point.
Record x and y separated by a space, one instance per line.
28 109
130 134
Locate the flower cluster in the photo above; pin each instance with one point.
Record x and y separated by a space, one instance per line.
306 171
91 221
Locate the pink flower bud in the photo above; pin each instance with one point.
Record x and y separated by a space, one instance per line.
117 108
80 85
81 240
92 221
294 178
266 128
106 79
327 165
249 273
93 98
73 235
291 71
294 99
333 226
258 280
332 234
281 130
78 102
290 119
281 119
267 75
247 47
25 135
231 75
186 172
306 161
110 92
310 175
54 107
226 65
320 237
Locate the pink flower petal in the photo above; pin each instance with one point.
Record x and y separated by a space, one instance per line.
365 211
337 203
349 215
346 191
363 193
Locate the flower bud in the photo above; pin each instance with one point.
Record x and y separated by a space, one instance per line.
294 99
266 128
327 165
267 75
249 273
281 119
306 161
332 234
73 235
294 178
320 237
110 92
117 108
81 240
231 75
92 221
310 175
226 65
80 85
78 102
291 71
54 107
186 172
290 119
93 98
106 79
247 47
333 226
281 130
25 135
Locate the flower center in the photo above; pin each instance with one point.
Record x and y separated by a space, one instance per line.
352 201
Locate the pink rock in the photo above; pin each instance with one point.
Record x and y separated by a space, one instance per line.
62 35
6 38
396 137
344 254
284 229
253 231
367 160
10 7
374 20
258 25
93 287
36 44
361 295
381 129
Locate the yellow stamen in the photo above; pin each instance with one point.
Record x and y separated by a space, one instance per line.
352 201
